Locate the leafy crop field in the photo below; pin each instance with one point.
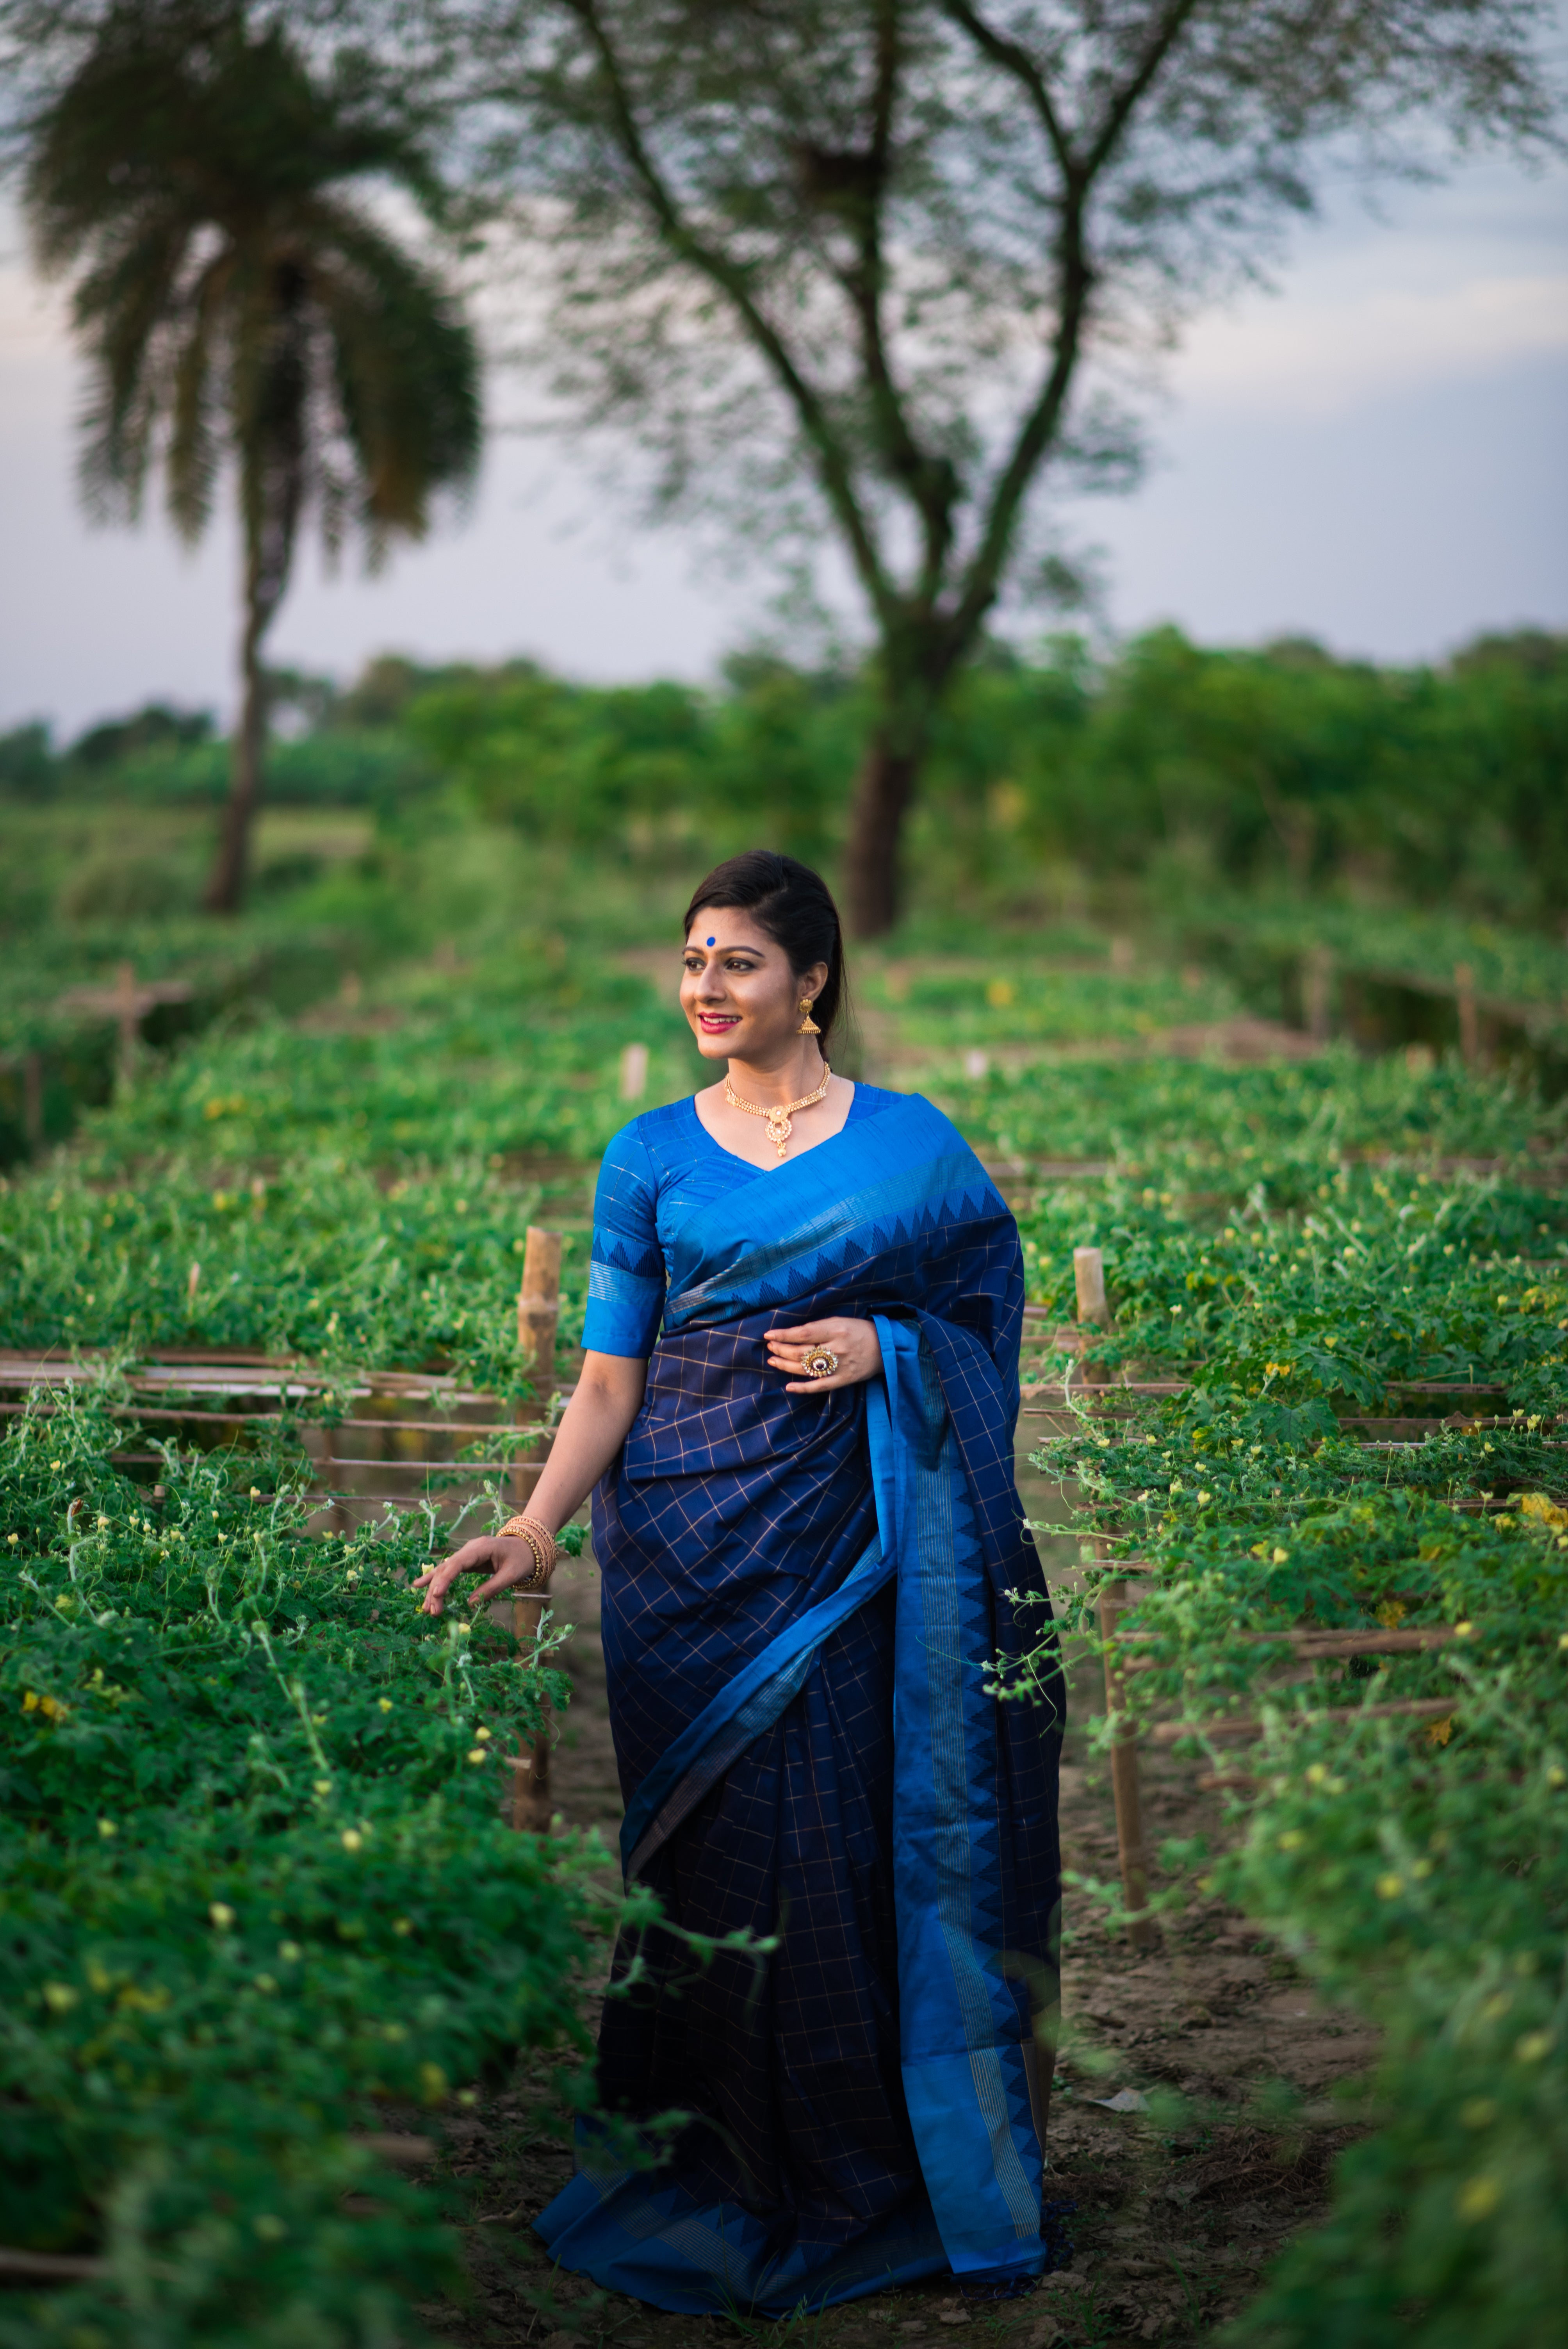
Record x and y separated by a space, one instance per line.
259 1887
1368 1649
267 1907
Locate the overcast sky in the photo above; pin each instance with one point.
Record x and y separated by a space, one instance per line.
1376 454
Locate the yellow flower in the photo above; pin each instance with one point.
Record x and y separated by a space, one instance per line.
289 1953
1480 2198
403 1925
59 1997
352 1839
322 1786
1464 1630
222 1916
1280 1558
1532 2046
481 1736
266 1982
1478 2112
384 1703
432 2082
476 1753
1390 1887
1291 1839
106 1828
255 1492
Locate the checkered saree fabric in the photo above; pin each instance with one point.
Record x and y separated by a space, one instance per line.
734 1508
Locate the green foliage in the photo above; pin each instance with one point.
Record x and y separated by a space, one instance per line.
1286 1126
1162 785
1414 1863
660 769
1176 765
256 1882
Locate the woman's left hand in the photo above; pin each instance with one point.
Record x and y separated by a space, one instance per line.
854 1342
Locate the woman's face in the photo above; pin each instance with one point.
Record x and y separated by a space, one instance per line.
738 989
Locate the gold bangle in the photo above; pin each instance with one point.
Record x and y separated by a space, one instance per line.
540 1540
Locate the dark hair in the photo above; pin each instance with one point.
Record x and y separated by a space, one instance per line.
795 906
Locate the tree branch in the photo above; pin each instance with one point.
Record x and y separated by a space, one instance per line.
929 479
1121 106
1037 431
729 278
1077 279
1015 59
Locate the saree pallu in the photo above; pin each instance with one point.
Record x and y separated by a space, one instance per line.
804 1599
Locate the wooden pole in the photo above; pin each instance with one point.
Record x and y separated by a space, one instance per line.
633 1072
128 1015
538 1316
1124 1777
32 1102
1093 1307
1469 1025
1089 1276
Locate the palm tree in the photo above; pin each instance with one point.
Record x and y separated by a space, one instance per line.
236 305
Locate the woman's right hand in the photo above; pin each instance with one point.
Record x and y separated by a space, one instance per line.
506 1558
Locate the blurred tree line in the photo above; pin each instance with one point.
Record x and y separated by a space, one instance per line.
1162 766
860 277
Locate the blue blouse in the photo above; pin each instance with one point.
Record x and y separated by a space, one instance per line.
657 1170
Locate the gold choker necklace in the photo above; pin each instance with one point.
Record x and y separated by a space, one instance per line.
779 1116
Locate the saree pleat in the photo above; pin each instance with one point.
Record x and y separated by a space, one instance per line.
804 1599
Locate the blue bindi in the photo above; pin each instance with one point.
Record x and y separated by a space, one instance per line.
710 942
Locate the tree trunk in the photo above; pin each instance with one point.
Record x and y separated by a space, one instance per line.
226 888
884 789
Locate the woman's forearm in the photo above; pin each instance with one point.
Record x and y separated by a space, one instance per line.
593 1429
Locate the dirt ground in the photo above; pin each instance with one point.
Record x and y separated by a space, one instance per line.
1173 2221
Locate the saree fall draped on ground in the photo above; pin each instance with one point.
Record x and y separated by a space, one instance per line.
803 1596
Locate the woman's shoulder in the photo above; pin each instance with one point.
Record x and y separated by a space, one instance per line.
928 1131
870 1101
873 1101
648 1147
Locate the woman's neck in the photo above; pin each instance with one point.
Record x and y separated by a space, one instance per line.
795 1072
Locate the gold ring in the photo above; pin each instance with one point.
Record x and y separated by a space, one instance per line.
821 1363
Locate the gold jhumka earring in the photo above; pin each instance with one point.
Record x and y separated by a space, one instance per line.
808 1025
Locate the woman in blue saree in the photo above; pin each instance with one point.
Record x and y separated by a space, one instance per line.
795 1413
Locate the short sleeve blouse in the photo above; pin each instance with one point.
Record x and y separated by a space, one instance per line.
655 1173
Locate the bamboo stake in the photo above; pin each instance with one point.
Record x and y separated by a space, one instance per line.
1469 1025
538 1315
32 1102
1125 1787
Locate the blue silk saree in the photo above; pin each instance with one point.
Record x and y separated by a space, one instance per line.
804 1597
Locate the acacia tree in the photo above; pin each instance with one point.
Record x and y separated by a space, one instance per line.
237 307
889 252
